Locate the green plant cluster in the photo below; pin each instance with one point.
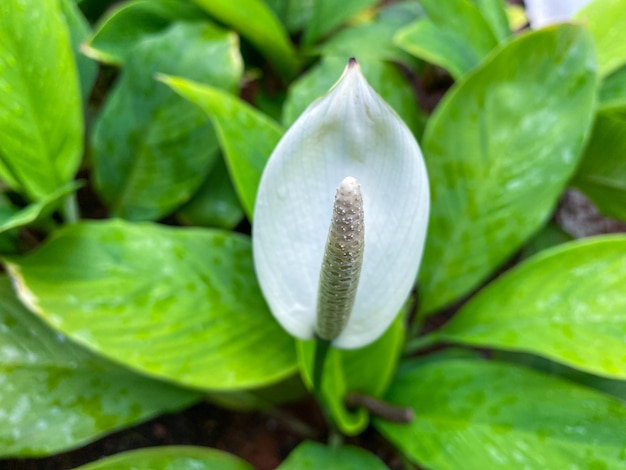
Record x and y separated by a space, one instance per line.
106 323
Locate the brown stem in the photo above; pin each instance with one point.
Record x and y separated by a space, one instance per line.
387 411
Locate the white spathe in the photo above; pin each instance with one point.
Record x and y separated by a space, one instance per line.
350 131
545 12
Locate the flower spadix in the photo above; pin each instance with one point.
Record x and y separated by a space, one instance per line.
350 141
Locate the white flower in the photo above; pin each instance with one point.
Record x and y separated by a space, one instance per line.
544 12
350 132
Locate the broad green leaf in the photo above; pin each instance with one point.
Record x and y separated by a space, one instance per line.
215 204
40 111
329 14
499 149
129 23
602 171
247 137
175 303
294 14
152 150
38 210
80 30
367 370
313 455
57 396
477 415
170 458
566 304
613 91
606 20
256 22
494 13
386 78
373 40
455 36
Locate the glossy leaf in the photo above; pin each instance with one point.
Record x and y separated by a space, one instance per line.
499 149
312 455
386 78
602 172
170 458
57 396
329 14
80 30
125 26
565 304
475 415
606 20
169 302
455 36
258 24
38 210
40 109
247 137
152 150
368 370
613 91
215 204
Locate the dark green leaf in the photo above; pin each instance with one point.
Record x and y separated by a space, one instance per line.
215 204
256 22
329 14
125 26
613 91
566 304
179 304
477 415
247 137
602 171
40 111
311 455
455 35
549 236
152 150
499 150
170 458
57 396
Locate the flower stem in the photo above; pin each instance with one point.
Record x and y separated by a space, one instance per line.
321 351
421 343
382 409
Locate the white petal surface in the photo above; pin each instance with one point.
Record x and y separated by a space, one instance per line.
544 12
349 132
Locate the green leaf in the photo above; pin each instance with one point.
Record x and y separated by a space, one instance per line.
40 109
602 171
152 150
455 36
215 204
169 302
170 458
475 415
386 78
613 91
367 370
80 30
247 137
499 149
8 241
565 304
549 236
606 21
125 26
329 14
56 396
38 210
313 455
494 13
294 14
256 22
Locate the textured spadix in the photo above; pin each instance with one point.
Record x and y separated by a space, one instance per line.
349 132
544 12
